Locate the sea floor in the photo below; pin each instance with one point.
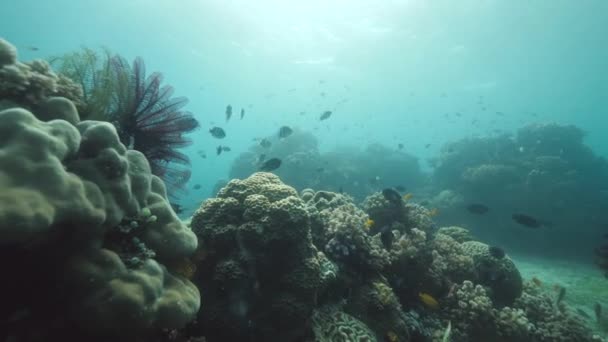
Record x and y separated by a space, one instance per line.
585 284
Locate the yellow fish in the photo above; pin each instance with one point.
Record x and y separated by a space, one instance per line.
369 223
391 336
428 301
408 196
433 212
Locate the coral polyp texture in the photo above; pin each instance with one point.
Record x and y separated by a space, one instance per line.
89 230
262 271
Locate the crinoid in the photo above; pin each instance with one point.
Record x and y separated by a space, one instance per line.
145 114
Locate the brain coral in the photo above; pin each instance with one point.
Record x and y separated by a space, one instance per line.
262 272
69 191
332 325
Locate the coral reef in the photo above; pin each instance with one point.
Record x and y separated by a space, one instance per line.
66 191
499 275
146 115
28 84
333 325
304 166
251 292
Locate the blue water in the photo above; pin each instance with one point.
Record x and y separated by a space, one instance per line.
390 71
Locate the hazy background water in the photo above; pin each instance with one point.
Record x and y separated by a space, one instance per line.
390 70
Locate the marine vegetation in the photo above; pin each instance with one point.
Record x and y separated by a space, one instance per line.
146 115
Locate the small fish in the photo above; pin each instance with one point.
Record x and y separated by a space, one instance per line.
326 114
597 308
265 143
400 188
427 145
477 208
583 313
400 146
433 212
408 196
271 165
284 132
391 336
386 237
369 223
537 282
202 154
196 186
428 300
526 220
496 252
242 113
217 132
228 112
391 195
218 150
560 295
32 48
226 149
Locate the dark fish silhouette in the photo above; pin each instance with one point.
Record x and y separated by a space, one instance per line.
217 132
326 114
387 237
400 146
265 143
226 149
242 113
526 220
391 195
196 186
496 252
560 295
427 145
477 208
271 165
218 150
228 113
261 158
284 132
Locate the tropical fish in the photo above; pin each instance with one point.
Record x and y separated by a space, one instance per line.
391 336
386 237
271 164
32 48
265 143
242 113
284 132
217 132
477 208
196 186
218 150
526 220
400 146
391 195
433 212
226 149
428 300
408 196
369 223
228 113
496 252
427 145
560 295
326 114
583 313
